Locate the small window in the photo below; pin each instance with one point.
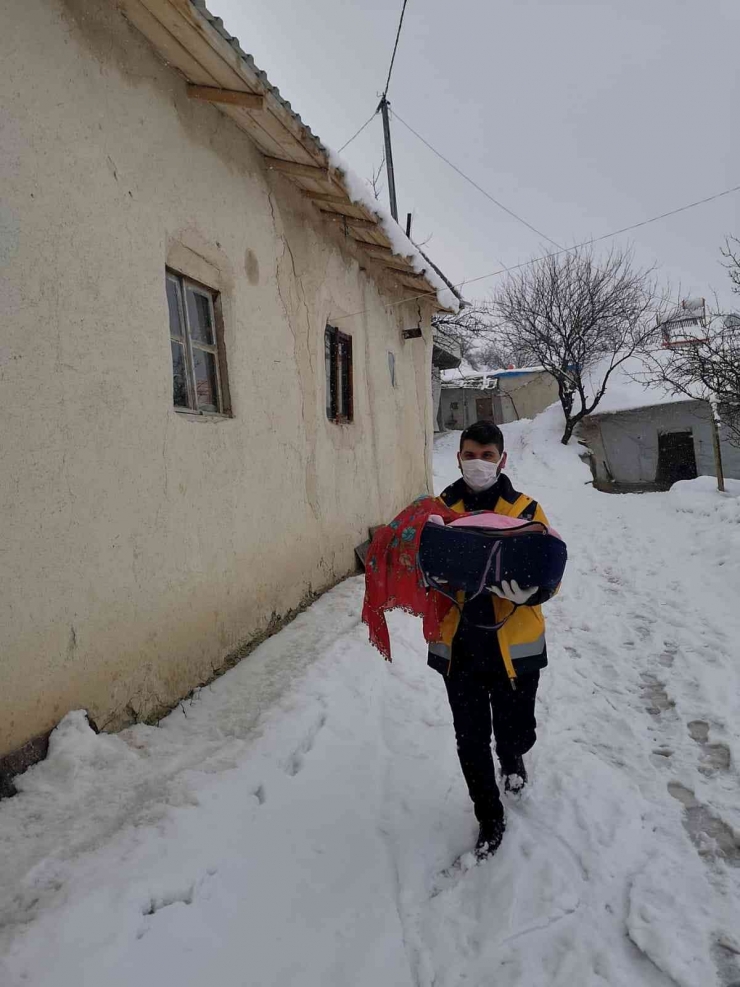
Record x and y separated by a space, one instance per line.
338 361
198 365
392 367
454 405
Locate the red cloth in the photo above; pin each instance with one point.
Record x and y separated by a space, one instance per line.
393 579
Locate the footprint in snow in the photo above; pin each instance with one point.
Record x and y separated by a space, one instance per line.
714 757
293 764
654 693
710 835
182 896
158 902
726 955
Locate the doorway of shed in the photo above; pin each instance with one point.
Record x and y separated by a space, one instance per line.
676 458
484 408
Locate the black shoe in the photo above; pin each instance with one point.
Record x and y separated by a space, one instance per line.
489 838
515 776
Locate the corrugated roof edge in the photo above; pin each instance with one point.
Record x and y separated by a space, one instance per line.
218 24
455 298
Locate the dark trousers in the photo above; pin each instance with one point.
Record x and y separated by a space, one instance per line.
481 698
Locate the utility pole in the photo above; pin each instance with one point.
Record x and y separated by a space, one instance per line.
696 314
383 107
714 415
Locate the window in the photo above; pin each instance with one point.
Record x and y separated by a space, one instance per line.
338 360
198 365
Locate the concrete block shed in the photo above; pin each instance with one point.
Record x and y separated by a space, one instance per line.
656 445
503 395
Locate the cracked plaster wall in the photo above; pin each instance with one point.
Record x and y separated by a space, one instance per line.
140 546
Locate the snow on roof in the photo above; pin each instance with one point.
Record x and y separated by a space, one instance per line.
518 371
463 372
361 193
626 390
467 376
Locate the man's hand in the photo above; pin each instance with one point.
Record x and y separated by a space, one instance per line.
512 592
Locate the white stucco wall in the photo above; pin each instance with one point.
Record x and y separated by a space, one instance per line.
141 546
465 413
526 397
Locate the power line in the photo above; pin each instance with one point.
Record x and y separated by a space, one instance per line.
476 185
367 122
387 83
567 250
395 49
607 236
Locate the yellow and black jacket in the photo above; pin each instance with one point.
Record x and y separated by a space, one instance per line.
521 640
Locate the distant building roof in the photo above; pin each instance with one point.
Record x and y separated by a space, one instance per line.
466 376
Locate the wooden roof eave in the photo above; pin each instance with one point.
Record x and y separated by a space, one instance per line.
190 43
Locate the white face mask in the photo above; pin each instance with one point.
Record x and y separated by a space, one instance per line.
479 474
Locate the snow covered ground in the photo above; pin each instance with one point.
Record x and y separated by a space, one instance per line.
289 826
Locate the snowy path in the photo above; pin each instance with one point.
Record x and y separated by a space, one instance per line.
289 826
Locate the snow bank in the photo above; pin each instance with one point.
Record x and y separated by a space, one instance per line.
714 518
360 193
75 759
701 496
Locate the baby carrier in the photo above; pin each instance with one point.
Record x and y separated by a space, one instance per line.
478 552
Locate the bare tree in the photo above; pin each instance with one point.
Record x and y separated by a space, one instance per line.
704 362
731 253
708 370
467 328
580 319
494 353
475 329
375 182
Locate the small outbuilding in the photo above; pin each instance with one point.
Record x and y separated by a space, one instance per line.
644 439
503 395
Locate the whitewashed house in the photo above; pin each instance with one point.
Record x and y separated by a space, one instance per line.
215 360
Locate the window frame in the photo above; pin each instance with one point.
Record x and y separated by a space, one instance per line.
340 377
223 400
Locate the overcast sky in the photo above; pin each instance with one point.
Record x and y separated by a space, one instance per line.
582 117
